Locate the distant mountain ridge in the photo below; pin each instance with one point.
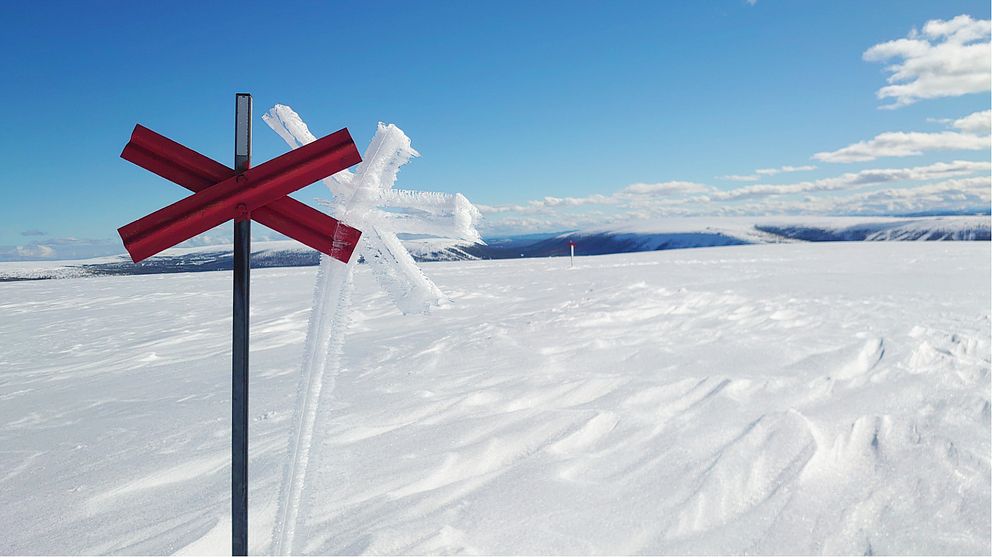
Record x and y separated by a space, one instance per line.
666 234
673 234
273 253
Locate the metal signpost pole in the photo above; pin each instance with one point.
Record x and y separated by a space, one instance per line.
219 195
239 360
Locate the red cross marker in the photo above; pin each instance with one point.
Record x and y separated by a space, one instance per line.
221 194
187 168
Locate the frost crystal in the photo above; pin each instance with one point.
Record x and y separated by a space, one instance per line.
366 200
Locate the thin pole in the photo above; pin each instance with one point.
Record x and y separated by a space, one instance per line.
239 359
571 255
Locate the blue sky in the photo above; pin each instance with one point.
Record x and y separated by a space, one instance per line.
509 103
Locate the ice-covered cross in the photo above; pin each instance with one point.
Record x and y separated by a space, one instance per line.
366 200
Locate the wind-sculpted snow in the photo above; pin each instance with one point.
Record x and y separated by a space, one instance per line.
776 399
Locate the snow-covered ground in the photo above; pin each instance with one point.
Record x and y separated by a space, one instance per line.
782 398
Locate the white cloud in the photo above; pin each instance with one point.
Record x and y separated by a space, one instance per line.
904 144
71 248
953 194
947 59
858 179
975 123
665 187
740 177
785 168
758 173
62 248
662 192
957 194
35 251
942 185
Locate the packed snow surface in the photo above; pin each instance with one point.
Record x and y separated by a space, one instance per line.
782 398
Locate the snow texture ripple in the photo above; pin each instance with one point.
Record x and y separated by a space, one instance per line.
812 398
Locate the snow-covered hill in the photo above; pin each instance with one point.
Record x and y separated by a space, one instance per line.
270 253
853 229
666 234
789 398
674 233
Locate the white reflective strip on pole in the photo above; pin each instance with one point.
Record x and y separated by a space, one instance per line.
242 139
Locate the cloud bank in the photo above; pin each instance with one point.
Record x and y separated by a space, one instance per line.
943 186
904 144
946 59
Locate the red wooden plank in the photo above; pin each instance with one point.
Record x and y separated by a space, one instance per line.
236 197
177 163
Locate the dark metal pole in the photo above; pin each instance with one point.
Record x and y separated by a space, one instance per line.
239 360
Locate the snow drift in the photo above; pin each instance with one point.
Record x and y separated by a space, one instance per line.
771 399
